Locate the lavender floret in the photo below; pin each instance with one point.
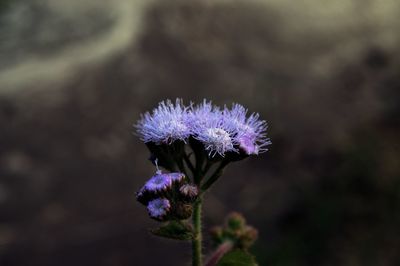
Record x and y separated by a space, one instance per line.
158 208
166 124
156 184
159 182
208 126
250 132
176 177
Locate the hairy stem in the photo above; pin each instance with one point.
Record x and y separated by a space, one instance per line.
197 239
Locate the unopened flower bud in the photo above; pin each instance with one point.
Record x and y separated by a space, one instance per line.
248 236
189 192
159 185
159 208
159 182
235 231
235 221
217 234
183 211
177 177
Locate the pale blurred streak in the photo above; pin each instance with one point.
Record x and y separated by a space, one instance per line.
324 22
126 17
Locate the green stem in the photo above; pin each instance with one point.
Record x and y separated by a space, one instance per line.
218 172
197 239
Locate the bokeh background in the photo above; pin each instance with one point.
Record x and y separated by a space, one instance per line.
75 76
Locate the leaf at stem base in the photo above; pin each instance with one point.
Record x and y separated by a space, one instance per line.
237 258
174 230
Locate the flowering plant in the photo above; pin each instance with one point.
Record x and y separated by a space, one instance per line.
194 144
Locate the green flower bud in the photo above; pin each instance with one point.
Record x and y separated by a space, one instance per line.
217 234
248 236
235 221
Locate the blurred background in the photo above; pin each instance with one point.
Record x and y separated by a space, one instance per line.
75 76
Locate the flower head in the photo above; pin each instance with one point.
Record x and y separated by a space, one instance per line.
208 126
201 115
158 208
158 182
157 185
166 124
250 132
176 177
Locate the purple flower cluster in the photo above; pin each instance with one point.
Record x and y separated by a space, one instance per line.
194 144
219 130
158 191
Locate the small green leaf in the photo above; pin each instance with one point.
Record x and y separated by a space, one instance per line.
237 258
174 230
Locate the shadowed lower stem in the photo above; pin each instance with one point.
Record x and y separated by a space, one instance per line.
197 240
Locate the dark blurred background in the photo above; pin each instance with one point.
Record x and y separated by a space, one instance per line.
75 76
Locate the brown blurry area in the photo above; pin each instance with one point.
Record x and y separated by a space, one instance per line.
75 75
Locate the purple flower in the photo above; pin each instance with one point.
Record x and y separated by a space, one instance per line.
250 132
208 126
176 177
216 140
165 124
229 130
159 182
158 208
201 115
